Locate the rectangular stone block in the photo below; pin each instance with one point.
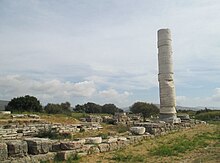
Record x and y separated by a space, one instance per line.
104 147
17 148
93 149
55 147
3 151
42 157
113 146
71 145
38 145
84 149
64 155
122 144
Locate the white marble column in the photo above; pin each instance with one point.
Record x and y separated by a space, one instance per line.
165 76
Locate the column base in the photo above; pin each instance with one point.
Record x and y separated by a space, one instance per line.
169 118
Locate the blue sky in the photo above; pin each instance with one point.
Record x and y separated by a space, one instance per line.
105 51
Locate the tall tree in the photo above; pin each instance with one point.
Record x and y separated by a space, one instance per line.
145 109
92 108
110 109
26 103
79 108
63 108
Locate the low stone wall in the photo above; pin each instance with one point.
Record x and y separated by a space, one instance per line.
18 131
35 149
45 149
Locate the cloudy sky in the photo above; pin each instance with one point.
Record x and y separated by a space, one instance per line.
104 51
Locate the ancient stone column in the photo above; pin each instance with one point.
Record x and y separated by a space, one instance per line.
165 76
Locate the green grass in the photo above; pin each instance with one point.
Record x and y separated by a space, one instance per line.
184 144
119 157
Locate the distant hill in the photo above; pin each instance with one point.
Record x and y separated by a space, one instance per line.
3 104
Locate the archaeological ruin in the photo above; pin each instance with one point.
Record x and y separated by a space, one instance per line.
165 77
21 138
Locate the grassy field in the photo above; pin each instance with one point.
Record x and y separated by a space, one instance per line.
198 144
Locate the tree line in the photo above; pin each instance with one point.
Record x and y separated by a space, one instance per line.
32 104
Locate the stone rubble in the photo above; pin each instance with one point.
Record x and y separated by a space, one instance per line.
33 149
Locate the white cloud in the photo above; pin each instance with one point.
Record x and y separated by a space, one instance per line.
111 95
216 96
209 101
15 85
180 100
112 45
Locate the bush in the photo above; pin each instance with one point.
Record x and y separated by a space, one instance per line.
103 135
208 116
52 134
121 128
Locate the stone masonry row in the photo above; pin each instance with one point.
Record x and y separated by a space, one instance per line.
35 149
14 132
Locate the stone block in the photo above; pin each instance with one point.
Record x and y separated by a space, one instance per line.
3 151
93 149
111 140
42 157
122 144
104 147
135 139
64 155
137 130
38 145
17 148
84 149
94 140
82 154
113 146
122 139
55 147
71 145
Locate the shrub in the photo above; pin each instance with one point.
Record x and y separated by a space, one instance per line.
50 133
103 135
121 128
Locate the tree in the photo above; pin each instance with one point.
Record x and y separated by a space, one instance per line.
62 108
110 109
53 108
145 109
26 103
66 106
79 108
92 108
